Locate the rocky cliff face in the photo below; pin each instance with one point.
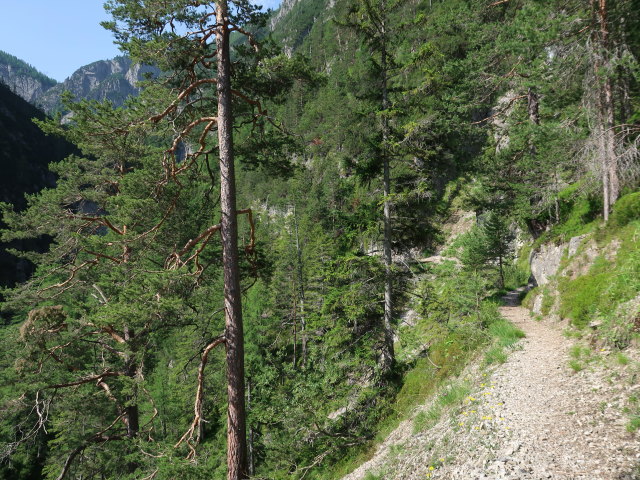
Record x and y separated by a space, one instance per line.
24 86
23 79
112 80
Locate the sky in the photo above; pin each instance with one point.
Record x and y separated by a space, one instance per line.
59 36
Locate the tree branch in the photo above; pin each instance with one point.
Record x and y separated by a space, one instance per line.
188 435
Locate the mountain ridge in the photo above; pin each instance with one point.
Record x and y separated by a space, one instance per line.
113 80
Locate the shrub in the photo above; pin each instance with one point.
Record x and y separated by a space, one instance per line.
626 209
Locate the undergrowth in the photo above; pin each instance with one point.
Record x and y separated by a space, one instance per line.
454 324
603 292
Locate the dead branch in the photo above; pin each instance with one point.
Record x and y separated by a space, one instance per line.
185 93
98 437
107 390
252 239
318 459
153 474
252 40
185 131
107 257
85 380
188 435
72 276
67 464
105 221
111 331
97 288
155 410
192 243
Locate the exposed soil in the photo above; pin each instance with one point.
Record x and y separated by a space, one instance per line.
530 418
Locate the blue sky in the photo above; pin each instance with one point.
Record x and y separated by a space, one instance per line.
59 36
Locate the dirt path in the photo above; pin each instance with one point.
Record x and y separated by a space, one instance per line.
531 418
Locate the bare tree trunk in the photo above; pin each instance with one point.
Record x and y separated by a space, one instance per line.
388 287
606 142
251 453
533 106
131 411
236 418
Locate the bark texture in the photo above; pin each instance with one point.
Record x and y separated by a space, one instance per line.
236 419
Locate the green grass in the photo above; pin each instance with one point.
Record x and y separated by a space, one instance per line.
426 419
634 423
580 356
505 335
372 476
610 281
548 299
453 394
622 359
505 332
576 365
449 395
449 353
495 355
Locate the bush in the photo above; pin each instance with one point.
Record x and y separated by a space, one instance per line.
626 209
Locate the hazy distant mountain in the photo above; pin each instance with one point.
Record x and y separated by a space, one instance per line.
113 80
23 79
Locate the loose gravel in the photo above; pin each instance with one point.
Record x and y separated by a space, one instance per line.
531 418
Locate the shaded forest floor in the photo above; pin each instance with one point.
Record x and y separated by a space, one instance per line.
556 409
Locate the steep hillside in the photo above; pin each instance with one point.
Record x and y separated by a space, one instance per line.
383 131
22 78
25 152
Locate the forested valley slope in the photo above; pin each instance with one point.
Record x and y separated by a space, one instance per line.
286 256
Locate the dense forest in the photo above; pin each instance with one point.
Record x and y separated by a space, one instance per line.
233 252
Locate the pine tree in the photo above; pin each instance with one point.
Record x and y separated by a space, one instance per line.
132 224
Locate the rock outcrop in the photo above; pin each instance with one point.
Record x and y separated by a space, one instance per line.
22 79
112 80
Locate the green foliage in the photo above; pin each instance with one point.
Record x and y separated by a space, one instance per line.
626 210
515 276
608 284
458 78
488 246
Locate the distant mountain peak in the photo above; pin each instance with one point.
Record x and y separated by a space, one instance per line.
113 80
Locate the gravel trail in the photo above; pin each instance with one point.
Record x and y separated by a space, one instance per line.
530 418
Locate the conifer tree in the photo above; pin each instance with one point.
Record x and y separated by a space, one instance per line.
133 224
371 19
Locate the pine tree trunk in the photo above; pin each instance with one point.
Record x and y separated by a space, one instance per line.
236 421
